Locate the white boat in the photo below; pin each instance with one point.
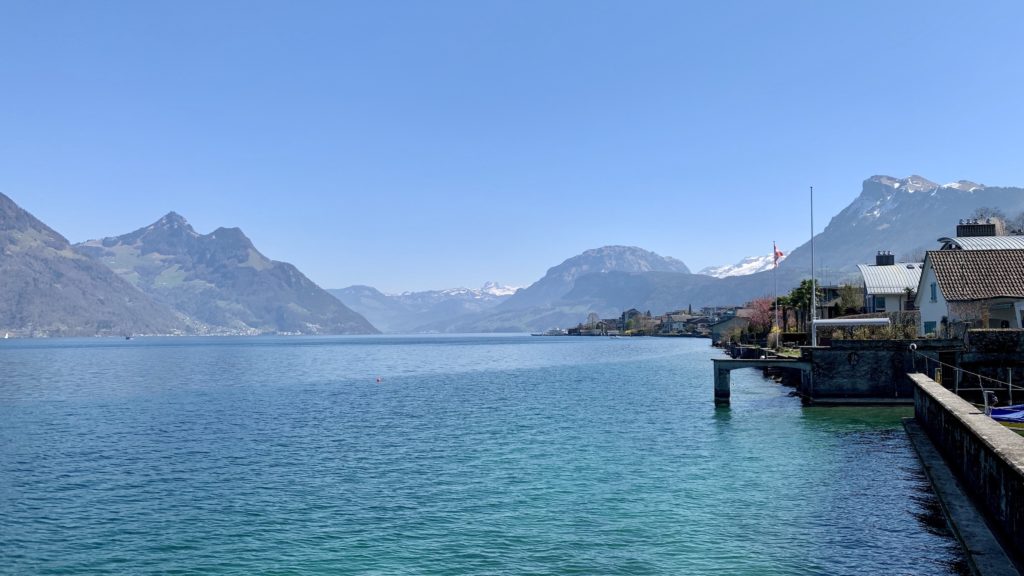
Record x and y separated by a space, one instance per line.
551 332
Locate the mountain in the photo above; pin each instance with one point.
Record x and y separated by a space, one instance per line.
549 302
904 216
50 289
412 312
749 265
560 279
221 280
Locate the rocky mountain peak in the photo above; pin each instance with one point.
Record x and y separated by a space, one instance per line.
749 265
911 184
630 259
964 185
232 237
496 289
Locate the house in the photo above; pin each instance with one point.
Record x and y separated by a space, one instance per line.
984 288
988 234
675 322
889 286
723 329
828 302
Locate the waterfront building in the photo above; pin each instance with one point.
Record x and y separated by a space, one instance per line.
979 288
732 324
889 286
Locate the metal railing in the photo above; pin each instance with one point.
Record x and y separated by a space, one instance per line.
962 377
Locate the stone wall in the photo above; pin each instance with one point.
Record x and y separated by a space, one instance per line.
987 458
867 369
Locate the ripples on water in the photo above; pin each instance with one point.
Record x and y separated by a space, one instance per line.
479 455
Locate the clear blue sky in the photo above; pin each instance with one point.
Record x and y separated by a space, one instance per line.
417 145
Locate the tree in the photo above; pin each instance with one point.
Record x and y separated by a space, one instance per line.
851 299
983 212
800 300
1016 224
761 317
784 306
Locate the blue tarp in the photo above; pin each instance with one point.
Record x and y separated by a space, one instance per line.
1009 414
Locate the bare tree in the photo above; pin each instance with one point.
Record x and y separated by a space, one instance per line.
761 318
983 212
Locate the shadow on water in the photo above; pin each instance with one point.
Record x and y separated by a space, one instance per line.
879 430
723 414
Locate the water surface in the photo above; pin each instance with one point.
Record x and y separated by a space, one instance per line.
472 455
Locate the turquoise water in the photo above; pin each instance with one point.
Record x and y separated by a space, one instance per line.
472 455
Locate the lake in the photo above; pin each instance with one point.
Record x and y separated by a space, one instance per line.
442 455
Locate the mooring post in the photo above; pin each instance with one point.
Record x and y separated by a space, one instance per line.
721 386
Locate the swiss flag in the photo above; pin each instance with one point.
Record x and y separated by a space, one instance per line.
778 254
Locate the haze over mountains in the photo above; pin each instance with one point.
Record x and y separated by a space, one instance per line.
905 216
415 312
166 278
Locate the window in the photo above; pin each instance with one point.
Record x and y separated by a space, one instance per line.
879 303
929 328
935 292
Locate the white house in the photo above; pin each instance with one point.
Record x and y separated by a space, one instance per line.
887 283
982 287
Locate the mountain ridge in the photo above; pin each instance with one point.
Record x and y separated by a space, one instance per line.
222 281
50 289
413 312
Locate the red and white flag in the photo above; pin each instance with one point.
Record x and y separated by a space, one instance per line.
778 254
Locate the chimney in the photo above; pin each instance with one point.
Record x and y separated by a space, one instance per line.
884 258
979 227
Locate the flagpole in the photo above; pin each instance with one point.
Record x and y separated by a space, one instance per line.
775 276
814 289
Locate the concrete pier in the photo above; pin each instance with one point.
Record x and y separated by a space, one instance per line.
724 366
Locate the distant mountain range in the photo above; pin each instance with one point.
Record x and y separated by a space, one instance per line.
222 282
166 278
905 216
551 301
749 265
417 312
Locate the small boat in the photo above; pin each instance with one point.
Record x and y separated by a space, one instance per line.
551 332
1009 416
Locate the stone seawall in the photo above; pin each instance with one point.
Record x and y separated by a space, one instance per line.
867 369
987 458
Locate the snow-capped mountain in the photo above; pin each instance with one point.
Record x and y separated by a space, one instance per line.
411 311
748 265
496 289
488 291
903 215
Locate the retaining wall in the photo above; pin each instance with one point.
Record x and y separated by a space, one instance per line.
866 369
986 457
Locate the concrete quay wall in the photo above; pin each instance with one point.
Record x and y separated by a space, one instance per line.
987 458
866 369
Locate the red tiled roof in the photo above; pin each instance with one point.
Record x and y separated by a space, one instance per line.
979 274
